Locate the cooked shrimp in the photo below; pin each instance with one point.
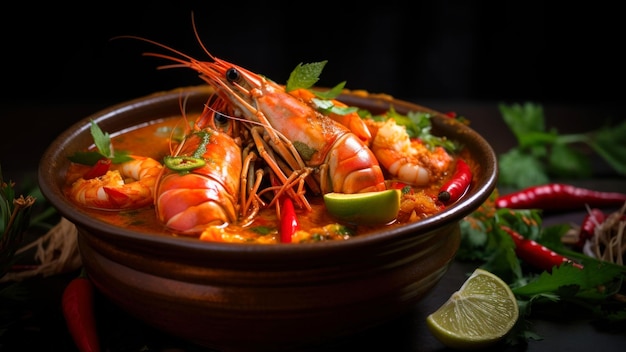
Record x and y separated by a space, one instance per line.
299 134
129 185
189 201
406 159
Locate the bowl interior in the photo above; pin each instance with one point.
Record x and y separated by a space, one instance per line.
54 163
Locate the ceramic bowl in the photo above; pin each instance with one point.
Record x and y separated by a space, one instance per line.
263 297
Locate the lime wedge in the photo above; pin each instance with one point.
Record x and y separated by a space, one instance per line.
478 315
368 208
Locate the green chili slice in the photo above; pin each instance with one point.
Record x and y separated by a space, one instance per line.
183 163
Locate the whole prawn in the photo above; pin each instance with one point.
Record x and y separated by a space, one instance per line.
189 200
302 137
130 185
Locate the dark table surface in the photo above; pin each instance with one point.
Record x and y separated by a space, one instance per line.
37 324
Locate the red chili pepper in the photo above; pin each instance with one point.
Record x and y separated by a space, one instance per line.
288 221
78 310
558 196
100 168
588 226
536 254
452 190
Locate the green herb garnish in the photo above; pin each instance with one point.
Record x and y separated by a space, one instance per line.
542 154
304 76
14 221
327 107
589 291
104 149
418 125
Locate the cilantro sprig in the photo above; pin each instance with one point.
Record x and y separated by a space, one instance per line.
104 149
419 126
542 154
304 76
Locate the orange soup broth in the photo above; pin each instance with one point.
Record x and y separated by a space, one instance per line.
153 140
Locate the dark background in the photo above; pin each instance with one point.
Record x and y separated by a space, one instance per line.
447 55
511 51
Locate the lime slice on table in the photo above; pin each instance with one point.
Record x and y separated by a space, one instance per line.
368 208
479 314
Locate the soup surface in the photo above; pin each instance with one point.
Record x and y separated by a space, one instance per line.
160 139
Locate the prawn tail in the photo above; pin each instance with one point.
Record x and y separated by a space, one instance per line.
188 201
353 168
187 204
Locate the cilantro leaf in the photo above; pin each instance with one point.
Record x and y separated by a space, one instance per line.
418 125
474 241
102 140
567 275
331 93
502 260
609 144
327 107
543 154
567 161
520 170
85 158
305 75
523 119
104 149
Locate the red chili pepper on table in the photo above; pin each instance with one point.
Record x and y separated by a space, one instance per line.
452 190
288 220
78 310
100 168
559 196
535 254
594 218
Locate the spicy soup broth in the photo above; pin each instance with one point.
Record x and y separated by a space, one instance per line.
154 140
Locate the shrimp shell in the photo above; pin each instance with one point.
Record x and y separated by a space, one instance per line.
190 201
129 186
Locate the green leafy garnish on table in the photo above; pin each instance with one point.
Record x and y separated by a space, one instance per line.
542 154
15 212
594 292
